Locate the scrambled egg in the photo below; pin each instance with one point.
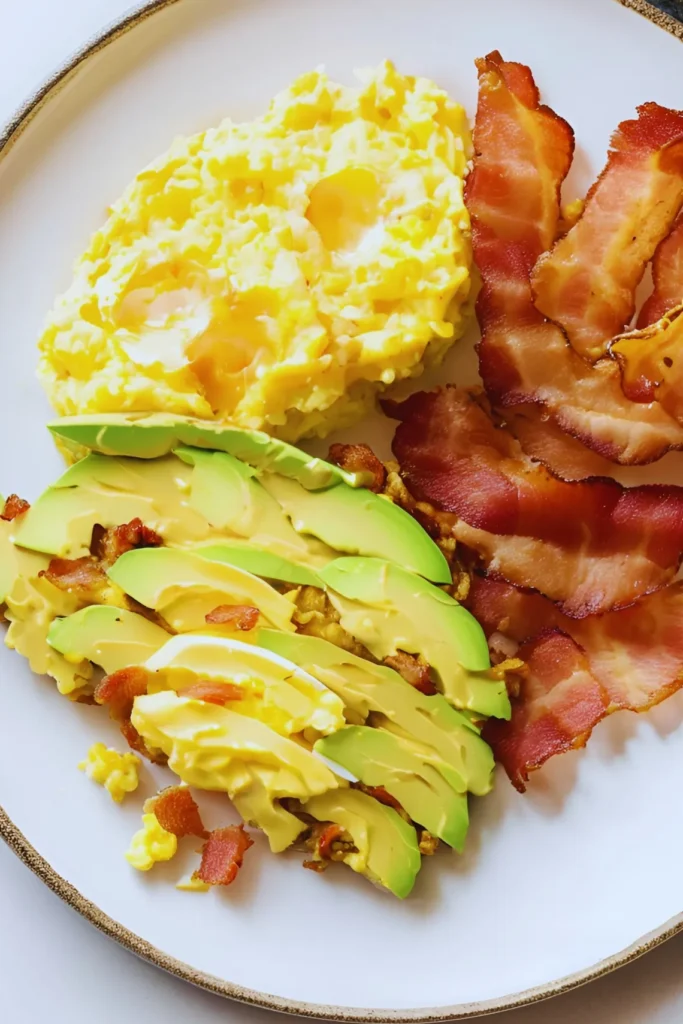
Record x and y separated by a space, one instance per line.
278 273
118 773
151 844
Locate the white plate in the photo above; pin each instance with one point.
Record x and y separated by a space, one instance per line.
553 883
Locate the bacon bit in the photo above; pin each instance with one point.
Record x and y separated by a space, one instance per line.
118 690
523 152
177 811
223 855
329 835
239 616
413 671
359 458
13 507
380 794
109 544
667 276
83 577
577 672
617 544
213 693
316 865
587 282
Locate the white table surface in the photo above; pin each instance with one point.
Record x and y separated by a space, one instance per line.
53 965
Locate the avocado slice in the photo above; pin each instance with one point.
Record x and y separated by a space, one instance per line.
259 562
275 691
16 561
388 852
112 491
389 609
450 740
183 587
380 758
111 637
213 747
149 435
358 521
227 493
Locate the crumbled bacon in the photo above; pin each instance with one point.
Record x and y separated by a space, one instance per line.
380 794
223 855
177 811
667 277
237 616
359 458
522 154
413 671
118 690
14 506
577 671
109 544
587 282
329 835
213 692
84 577
591 545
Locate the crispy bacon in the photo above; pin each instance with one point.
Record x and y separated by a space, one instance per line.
329 835
118 690
237 616
109 544
542 440
14 506
83 577
634 659
223 855
177 811
380 793
667 277
587 282
413 671
522 153
591 545
651 362
359 458
213 692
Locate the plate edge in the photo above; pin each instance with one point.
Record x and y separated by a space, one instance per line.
19 844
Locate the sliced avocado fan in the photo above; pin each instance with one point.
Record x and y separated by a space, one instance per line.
149 435
389 610
259 562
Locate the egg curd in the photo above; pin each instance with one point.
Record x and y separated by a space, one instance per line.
118 773
277 273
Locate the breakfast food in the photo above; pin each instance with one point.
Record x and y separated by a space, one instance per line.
562 565
276 273
278 641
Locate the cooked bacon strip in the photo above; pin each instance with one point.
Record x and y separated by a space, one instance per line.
667 277
651 362
591 545
413 671
118 691
559 704
109 544
239 616
359 458
523 152
542 440
213 693
14 506
83 577
177 811
223 855
587 282
634 658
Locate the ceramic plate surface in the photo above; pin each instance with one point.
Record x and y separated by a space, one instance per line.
553 883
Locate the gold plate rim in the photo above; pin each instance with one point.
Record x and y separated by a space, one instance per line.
27 853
